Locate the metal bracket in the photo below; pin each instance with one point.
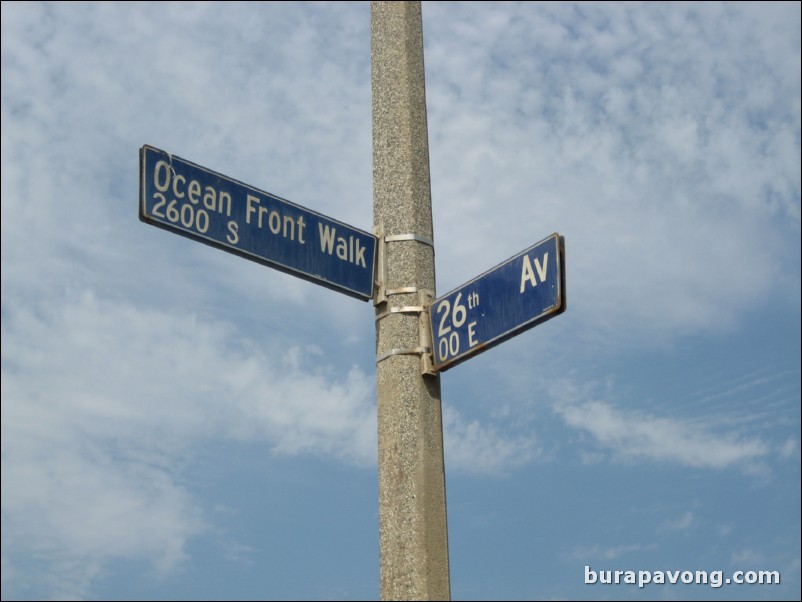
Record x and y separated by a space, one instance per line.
405 290
382 292
404 309
425 330
405 237
409 351
424 349
381 266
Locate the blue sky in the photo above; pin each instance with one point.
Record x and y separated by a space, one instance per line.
180 423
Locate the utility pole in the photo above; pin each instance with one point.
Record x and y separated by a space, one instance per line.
413 535
417 335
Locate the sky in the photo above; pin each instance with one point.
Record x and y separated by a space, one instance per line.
181 423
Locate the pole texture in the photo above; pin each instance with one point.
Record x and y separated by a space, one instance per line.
413 535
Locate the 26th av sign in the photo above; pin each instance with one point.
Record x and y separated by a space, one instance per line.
518 294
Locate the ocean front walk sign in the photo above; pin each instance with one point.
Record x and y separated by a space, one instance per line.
201 204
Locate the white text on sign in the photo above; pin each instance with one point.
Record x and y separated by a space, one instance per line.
450 341
189 203
516 295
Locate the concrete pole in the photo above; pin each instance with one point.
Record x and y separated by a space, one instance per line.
413 536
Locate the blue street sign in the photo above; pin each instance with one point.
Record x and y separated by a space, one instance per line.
516 295
211 208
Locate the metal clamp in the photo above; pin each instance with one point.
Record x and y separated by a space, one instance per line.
409 351
404 309
405 237
382 292
424 349
406 290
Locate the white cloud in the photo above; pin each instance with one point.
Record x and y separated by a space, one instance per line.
583 553
747 559
635 435
638 134
663 145
682 523
790 449
102 400
473 447
112 368
73 505
725 530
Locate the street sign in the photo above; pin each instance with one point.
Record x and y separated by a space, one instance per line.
203 205
516 295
